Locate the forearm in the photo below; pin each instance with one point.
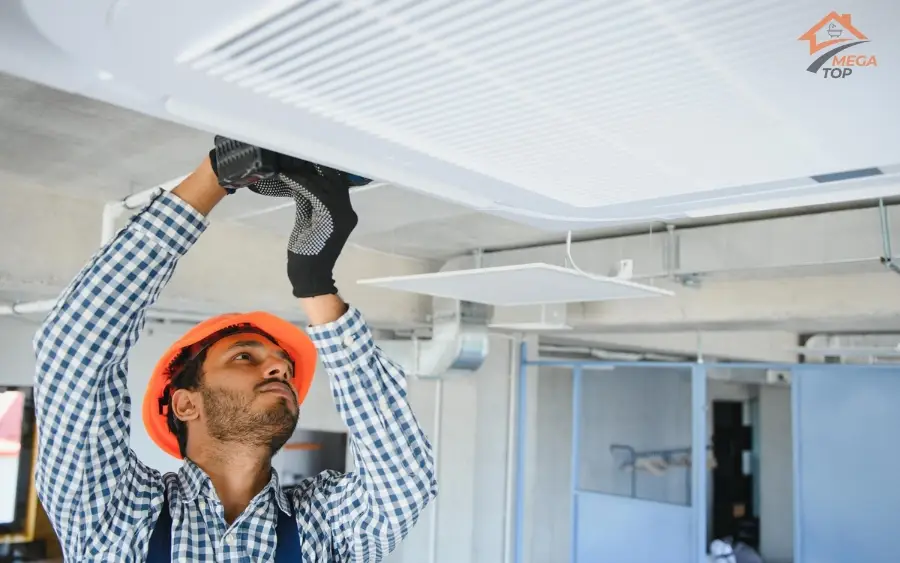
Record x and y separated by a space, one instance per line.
323 309
201 189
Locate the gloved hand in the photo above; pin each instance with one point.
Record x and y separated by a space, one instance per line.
324 220
238 165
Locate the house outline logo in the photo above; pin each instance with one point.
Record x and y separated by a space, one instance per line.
840 34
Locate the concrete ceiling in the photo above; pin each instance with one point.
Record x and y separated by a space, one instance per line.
87 149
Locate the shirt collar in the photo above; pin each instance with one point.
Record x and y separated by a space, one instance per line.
195 481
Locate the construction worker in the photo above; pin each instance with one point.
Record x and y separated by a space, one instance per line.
224 398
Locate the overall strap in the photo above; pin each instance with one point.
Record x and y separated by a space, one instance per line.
161 541
288 534
286 529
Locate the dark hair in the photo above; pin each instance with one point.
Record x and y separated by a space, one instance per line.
187 374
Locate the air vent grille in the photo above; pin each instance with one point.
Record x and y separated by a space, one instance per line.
587 103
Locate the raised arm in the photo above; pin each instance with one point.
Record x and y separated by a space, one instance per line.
88 479
374 507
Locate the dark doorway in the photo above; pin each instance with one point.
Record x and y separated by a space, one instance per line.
733 513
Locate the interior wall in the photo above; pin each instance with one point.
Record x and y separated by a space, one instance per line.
649 409
471 445
643 407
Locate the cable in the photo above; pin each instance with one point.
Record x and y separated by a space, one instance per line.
572 260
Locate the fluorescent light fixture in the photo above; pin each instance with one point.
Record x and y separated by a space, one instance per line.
797 201
521 284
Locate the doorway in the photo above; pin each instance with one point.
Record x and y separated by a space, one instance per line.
734 507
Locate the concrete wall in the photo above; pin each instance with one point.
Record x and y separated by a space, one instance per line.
549 517
471 444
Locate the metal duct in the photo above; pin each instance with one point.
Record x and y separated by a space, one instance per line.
852 348
459 341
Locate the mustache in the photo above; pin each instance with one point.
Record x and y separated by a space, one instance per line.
271 383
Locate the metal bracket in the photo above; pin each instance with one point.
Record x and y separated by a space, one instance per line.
672 258
887 257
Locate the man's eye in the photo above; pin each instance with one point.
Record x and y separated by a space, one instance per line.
243 356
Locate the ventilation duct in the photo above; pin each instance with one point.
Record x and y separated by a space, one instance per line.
459 341
852 348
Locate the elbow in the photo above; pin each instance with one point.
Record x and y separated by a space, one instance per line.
427 486
419 490
430 473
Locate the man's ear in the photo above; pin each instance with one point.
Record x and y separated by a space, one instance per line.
185 405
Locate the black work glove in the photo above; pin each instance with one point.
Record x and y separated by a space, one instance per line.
237 164
325 219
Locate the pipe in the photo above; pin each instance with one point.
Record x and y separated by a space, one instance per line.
510 463
111 212
436 447
44 306
27 308
114 209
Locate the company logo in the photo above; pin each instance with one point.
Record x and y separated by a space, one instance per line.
828 40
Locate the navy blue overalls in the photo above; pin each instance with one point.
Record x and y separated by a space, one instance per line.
286 530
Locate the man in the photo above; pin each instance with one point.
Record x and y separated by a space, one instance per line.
224 398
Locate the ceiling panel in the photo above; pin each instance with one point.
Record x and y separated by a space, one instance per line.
520 284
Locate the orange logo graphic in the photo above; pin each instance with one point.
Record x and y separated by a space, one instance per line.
831 35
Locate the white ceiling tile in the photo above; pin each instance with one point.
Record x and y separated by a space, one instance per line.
521 284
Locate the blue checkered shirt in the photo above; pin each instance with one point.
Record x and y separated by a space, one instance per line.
103 502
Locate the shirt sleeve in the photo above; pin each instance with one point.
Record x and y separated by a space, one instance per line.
91 484
374 507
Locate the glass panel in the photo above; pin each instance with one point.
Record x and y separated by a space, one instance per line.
635 433
615 529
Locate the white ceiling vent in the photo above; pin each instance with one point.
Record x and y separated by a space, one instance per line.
521 284
557 113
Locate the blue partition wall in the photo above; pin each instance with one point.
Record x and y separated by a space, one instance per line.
846 460
623 415
845 426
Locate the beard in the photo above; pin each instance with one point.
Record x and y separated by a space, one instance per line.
231 417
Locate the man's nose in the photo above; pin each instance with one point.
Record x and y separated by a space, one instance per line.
276 368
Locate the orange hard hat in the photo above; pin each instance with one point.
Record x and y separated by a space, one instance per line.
291 339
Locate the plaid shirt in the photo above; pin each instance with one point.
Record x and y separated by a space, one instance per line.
103 501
